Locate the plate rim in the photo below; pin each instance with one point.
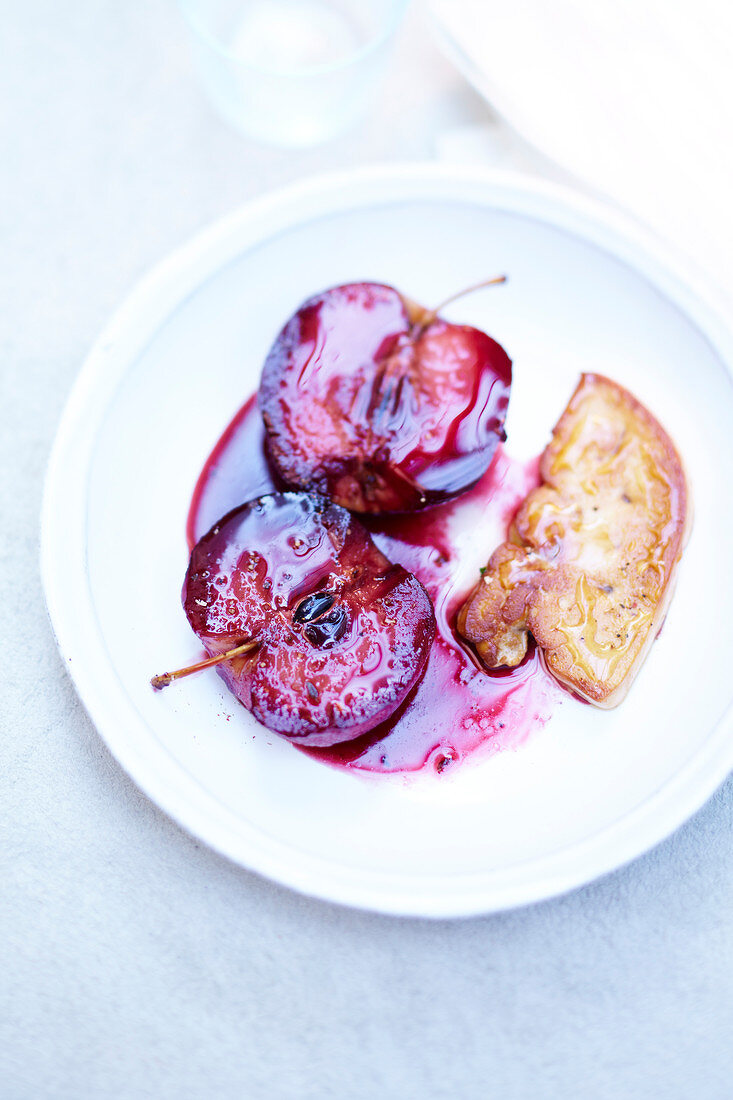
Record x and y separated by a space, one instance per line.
63 540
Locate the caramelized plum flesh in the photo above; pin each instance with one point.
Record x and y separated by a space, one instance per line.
343 634
379 404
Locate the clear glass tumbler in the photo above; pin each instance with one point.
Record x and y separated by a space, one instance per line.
291 72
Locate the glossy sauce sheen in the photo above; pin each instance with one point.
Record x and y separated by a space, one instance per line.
380 412
456 709
339 635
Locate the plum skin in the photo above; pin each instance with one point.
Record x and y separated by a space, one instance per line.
247 578
383 412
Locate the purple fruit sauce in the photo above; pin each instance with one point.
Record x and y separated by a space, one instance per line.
457 709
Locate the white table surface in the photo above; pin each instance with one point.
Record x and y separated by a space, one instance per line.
136 963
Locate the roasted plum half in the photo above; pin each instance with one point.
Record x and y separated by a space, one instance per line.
380 404
330 635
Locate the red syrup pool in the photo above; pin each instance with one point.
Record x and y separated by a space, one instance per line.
457 709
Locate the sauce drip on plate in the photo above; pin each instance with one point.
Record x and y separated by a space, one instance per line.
456 709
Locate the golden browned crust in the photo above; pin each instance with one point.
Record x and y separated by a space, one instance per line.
590 567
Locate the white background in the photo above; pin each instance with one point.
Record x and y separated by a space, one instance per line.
136 963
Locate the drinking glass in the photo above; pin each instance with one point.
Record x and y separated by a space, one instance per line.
291 72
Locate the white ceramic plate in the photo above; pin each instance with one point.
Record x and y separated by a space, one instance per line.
584 794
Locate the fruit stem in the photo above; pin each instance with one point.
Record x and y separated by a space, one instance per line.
495 281
159 682
431 314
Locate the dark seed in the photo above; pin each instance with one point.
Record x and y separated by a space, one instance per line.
442 762
312 607
312 690
328 630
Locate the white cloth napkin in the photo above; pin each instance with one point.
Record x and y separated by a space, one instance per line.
632 97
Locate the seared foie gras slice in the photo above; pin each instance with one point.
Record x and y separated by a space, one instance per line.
590 567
